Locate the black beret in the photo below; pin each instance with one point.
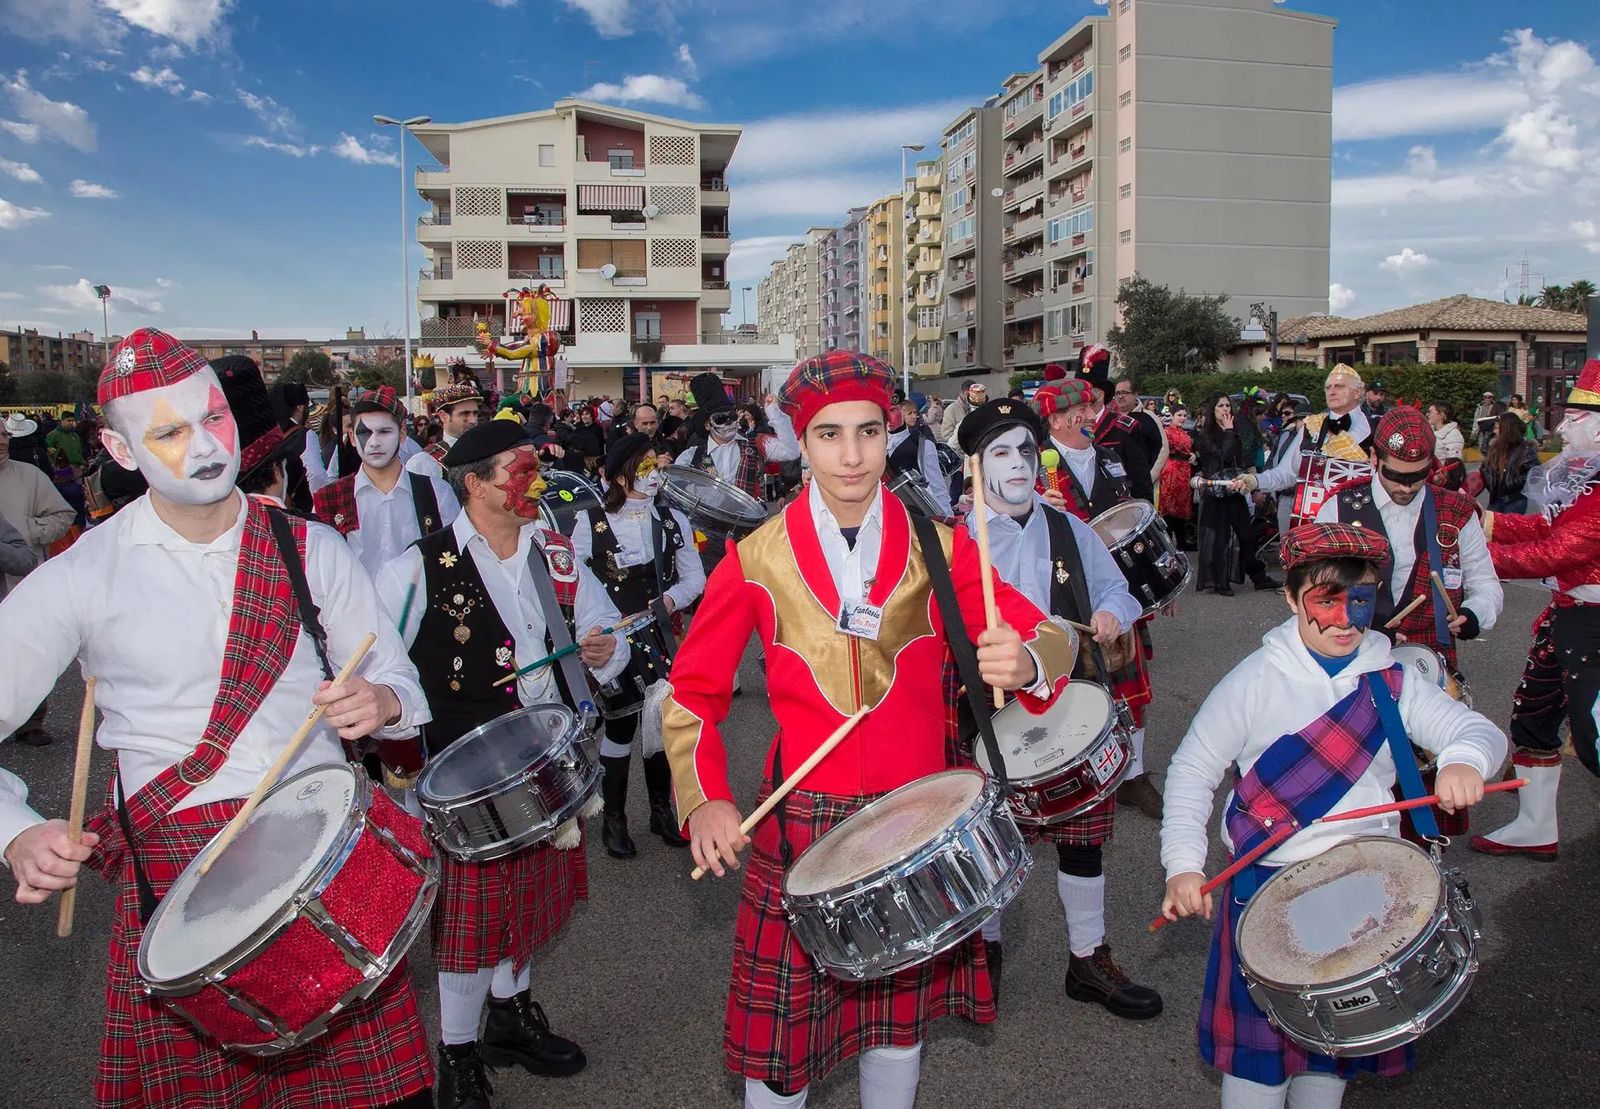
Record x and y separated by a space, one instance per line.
622 449
485 441
988 420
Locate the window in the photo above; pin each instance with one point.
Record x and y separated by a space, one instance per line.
957 199
930 317
1125 191
1080 317
960 229
1124 236
647 326
1125 53
620 159
1021 103
1125 99
961 134
1076 222
547 154
1503 355
1073 93
1123 6
1124 146
552 265
626 254
1054 323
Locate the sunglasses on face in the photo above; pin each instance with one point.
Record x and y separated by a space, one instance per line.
1401 478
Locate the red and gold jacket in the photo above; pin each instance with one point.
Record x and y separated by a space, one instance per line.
1565 546
776 583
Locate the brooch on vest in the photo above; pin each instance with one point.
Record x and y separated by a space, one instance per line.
460 606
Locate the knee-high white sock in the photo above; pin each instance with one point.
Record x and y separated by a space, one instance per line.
509 982
461 998
1316 1091
610 749
889 1077
1084 899
1241 1093
758 1096
1136 764
991 928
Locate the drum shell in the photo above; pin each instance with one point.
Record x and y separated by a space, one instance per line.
912 489
1070 789
649 661
919 906
1394 1003
219 986
1157 571
738 516
503 818
561 513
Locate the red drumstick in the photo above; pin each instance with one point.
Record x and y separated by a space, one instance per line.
1281 833
1415 803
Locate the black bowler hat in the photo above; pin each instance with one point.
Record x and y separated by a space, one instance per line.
623 449
485 441
262 438
988 420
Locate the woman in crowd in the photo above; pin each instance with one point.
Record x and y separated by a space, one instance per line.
1506 464
1177 498
1220 458
1448 447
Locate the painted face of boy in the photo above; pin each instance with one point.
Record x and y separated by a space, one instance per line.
377 439
1010 468
1333 621
647 475
181 437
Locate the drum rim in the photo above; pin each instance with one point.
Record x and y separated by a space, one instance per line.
756 512
338 852
1144 509
986 800
1399 957
492 850
978 750
574 724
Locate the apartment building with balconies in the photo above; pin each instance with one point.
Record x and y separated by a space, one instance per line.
885 265
27 350
789 298
973 317
852 280
621 214
924 270
1022 219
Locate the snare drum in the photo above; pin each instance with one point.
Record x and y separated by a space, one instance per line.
1157 571
1064 761
908 877
1361 949
566 495
307 912
649 660
710 502
912 489
508 784
1430 665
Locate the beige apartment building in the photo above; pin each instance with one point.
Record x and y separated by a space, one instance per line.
621 214
27 350
789 298
924 271
885 266
973 315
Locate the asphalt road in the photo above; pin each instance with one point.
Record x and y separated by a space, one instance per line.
640 977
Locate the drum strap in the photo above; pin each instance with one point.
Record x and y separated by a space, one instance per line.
1071 599
785 848
141 881
955 630
555 626
295 567
1430 537
1405 758
426 504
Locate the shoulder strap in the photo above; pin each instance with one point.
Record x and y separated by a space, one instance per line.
1429 525
310 615
1405 759
955 631
426 503
1064 547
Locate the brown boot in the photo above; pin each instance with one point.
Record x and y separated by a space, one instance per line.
1099 979
1142 794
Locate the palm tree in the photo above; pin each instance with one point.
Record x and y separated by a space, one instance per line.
1578 294
1527 300
1553 296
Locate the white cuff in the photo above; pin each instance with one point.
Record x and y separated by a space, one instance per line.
406 726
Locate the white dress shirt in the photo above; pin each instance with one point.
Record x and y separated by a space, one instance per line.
1020 554
146 612
516 599
1286 473
928 466
854 568
389 520
631 527
1481 589
1081 462
319 473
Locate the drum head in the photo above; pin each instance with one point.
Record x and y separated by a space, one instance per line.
496 754
1339 914
1116 524
1424 662
890 829
702 496
566 494
1033 746
282 847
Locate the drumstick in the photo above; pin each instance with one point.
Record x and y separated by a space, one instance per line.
1450 606
80 788
1281 833
290 752
981 509
1414 803
623 627
792 780
411 595
1394 621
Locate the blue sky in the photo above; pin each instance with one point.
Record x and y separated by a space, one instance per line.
215 162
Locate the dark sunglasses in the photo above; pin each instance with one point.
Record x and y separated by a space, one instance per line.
1404 479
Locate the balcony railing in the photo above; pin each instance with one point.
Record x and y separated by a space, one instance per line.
554 280
437 273
708 284
438 219
704 234
627 223
538 222
432 167
713 185
1033 186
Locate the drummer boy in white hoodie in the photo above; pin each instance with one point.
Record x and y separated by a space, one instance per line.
1298 725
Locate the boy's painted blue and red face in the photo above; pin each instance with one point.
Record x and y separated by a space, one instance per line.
1333 621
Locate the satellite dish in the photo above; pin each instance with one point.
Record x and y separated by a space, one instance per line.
651 211
608 271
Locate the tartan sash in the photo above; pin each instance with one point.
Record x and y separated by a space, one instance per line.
262 631
335 505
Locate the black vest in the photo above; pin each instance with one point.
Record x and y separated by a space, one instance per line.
425 504
1110 488
632 588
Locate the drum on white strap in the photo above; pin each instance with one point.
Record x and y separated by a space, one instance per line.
1064 761
711 502
1430 666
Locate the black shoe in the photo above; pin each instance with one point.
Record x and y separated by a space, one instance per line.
35 737
1142 794
658 783
1100 980
1265 582
1224 590
993 954
462 1081
614 789
518 1035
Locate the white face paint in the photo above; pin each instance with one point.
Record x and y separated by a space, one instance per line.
1580 430
377 438
648 485
181 437
1010 467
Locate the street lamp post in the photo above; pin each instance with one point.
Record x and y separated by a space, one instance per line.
405 231
744 305
905 324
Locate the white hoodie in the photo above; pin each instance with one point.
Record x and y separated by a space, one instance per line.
1279 689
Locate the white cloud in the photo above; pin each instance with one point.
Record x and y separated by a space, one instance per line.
1588 234
56 119
82 22
273 116
1542 137
185 21
750 257
81 294
88 190
1426 104
199 97
1407 261
1422 161
294 150
610 17
1340 298
647 87
10 296
505 3
165 283
27 132
13 216
22 171
820 198
349 148
163 78
686 59
839 136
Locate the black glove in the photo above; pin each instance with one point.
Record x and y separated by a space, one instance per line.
1470 629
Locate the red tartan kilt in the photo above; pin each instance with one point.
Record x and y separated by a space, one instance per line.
1088 829
791 1023
505 909
374 1053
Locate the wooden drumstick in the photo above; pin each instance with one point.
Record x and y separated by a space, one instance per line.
792 780
80 790
1394 621
290 752
1283 832
1414 803
1449 605
981 509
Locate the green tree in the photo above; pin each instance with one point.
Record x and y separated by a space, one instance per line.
308 367
1567 298
8 384
1162 329
43 388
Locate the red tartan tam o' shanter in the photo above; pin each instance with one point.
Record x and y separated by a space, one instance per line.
381 399
1404 434
1061 396
833 378
1320 542
147 359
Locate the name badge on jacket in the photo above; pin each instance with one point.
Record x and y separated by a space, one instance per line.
860 619
1452 576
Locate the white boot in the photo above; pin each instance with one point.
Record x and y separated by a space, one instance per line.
1533 832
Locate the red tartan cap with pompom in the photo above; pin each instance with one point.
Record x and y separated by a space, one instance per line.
147 359
833 378
1058 398
382 399
1321 542
1404 434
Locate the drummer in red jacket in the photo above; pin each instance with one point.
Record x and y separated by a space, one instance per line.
841 555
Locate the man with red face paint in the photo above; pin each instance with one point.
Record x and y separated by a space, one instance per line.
479 599
205 583
1319 720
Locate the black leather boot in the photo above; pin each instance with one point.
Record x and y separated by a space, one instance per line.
614 791
462 1081
992 954
518 1035
658 783
1100 980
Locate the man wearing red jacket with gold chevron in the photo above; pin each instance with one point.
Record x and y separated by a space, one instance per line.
842 555
1562 541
